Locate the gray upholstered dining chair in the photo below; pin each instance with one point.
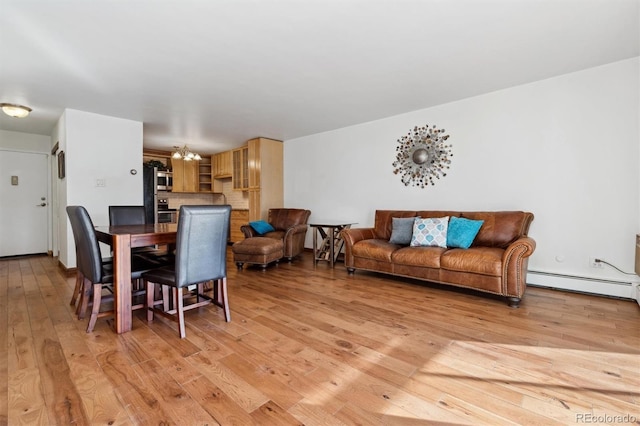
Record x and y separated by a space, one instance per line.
135 215
200 257
126 215
95 274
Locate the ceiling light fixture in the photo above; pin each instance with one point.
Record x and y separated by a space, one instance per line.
185 154
17 111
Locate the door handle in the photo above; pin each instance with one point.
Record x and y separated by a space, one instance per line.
41 205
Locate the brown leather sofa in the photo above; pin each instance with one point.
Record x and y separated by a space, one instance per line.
290 227
495 263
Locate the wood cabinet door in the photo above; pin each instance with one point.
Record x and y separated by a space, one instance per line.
238 218
254 164
223 165
185 176
191 171
240 169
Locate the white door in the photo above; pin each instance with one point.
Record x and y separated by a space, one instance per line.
23 203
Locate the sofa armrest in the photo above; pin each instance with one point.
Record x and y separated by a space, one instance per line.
248 231
515 261
352 236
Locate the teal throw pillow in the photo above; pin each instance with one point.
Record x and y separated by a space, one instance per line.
261 227
430 232
401 230
462 232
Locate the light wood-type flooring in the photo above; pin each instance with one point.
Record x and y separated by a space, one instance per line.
315 346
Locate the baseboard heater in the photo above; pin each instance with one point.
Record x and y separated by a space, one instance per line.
603 287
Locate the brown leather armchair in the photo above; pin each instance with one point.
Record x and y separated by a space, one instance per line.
290 227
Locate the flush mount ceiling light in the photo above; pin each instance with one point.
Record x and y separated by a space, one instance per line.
13 110
185 154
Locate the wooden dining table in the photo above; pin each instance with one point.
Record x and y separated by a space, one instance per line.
122 239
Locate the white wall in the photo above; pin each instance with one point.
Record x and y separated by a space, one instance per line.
17 141
97 147
566 149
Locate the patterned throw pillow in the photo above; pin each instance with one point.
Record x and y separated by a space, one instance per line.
430 232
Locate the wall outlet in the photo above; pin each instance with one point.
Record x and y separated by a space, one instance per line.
594 264
101 182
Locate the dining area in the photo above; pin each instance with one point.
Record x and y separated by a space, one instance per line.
166 269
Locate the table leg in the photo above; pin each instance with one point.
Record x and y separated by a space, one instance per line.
331 246
315 245
122 282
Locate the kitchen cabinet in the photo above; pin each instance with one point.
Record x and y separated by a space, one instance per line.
185 175
264 177
205 176
238 218
222 165
240 168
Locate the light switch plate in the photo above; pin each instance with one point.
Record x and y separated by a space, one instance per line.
14 180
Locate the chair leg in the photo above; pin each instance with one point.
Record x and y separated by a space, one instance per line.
81 309
150 300
220 297
97 297
78 288
177 293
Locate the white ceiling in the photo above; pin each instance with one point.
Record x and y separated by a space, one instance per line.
216 73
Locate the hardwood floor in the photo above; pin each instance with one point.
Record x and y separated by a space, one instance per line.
317 347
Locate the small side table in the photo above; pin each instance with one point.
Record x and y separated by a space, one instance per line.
332 242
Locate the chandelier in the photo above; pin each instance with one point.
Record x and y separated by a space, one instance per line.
185 154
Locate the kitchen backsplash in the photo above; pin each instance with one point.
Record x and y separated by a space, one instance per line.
237 199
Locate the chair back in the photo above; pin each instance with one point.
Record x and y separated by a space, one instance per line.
282 219
126 215
201 244
88 256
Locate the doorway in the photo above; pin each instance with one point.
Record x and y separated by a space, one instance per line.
24 204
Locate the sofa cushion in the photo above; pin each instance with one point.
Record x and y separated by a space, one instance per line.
374 249
430 232
428 257
384 221
436 213
401 230
500 228
462 231
477 260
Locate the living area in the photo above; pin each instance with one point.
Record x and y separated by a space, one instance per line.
311 343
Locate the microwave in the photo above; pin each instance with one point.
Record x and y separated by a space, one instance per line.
164 181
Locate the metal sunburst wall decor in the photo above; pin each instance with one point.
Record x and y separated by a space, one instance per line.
422 156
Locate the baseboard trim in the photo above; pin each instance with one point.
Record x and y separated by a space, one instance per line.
68 271
604 287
